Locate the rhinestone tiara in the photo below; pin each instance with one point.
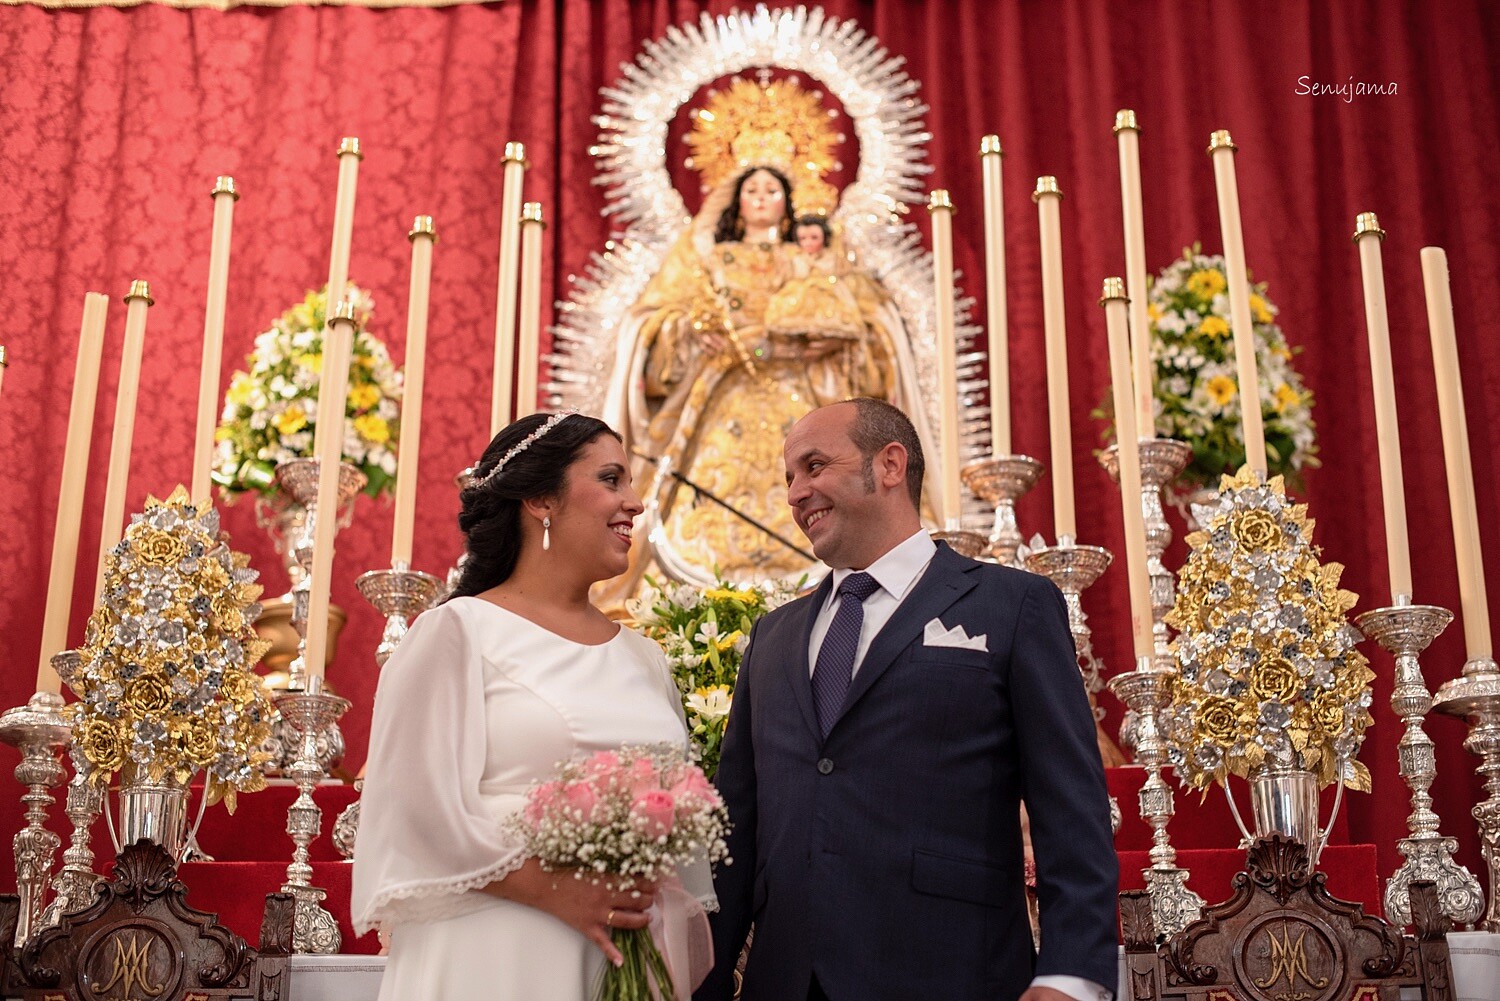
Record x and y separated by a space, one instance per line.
524 444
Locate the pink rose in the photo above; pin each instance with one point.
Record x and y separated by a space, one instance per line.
655 811
642 777
543 800
602 764
693 785
581 799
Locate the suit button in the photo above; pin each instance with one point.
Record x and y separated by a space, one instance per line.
825 766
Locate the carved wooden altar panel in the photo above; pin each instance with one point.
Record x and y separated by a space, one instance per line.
1282 937
138 940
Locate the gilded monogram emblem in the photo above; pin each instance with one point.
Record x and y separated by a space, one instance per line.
131 970
1288 958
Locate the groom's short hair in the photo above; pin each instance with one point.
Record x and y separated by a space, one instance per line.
877 424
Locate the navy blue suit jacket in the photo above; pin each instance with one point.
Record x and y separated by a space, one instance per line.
887 859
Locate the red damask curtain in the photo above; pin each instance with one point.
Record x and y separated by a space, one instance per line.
114 122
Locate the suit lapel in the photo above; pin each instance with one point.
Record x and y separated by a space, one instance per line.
798 664
946 580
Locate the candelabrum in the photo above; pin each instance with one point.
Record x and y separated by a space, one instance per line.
1147 691
1073 568
1000 481
1475 695
299 478
1406 630
73 887
400 594
39 731
1162 461
962 541
310 710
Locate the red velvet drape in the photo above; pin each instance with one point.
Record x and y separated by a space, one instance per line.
114 122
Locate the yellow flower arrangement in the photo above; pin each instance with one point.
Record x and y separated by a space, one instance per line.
1198 399
270 410
1268 672
164 678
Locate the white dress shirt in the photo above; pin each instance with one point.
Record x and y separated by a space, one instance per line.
897 573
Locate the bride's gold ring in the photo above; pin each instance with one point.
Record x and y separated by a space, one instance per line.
609 919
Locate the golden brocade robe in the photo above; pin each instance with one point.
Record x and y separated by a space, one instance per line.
722 391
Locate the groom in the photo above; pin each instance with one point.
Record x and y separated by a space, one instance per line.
885 731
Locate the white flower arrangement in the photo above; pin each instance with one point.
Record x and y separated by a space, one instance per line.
270 412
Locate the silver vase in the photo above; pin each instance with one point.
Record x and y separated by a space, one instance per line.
156 812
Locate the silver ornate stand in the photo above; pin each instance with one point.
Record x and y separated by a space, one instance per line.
963 542
314 930
1147 691
1073 568
1406 630
1475 695
1000 481
400 594
1162 460
39 731
299 478
73 887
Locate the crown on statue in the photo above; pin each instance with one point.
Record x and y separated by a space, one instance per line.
770 123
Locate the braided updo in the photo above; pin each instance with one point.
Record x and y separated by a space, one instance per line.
490 517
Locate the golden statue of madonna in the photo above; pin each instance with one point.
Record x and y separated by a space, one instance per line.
703 337
757 315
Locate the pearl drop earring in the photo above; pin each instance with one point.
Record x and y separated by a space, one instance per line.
547 533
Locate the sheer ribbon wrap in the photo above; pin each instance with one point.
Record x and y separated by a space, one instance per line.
679 926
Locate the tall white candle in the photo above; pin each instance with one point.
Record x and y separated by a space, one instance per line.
990 158
75 463
1368 235
422 237
338 346
940 207
1221 148
528 336
137 301
225 196
1054 321
1128 135
1117 322
512 183
1473 598
350 154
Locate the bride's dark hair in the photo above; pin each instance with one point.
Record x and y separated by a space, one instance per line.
491 509
731 228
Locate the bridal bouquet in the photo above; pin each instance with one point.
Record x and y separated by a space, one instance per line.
635 813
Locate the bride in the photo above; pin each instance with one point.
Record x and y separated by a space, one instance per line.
514 673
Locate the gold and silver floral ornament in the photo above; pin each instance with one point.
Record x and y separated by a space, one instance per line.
1270 686
164 675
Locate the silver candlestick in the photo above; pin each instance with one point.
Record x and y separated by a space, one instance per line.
1000 481
962 541
1475 695
314 930
1073 568
400 594
73 887
1162 460
299 478
39 731
1406 630
1147 691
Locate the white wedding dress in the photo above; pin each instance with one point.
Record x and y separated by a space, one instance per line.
475 705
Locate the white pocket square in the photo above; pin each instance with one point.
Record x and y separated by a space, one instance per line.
937 634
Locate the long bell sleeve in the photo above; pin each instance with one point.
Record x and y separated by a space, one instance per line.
426 835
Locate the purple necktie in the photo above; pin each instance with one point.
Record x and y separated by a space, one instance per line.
830 680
